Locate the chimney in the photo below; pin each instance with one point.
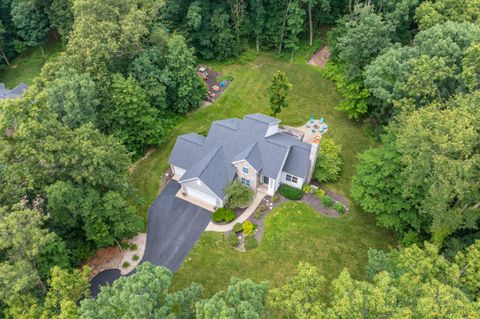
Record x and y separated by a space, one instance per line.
313 157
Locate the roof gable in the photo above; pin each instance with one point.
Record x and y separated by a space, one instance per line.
213 170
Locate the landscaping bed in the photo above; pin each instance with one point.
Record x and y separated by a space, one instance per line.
257 219
237 211
314 201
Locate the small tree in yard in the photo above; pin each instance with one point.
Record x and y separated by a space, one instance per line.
329 161
238 194
278 92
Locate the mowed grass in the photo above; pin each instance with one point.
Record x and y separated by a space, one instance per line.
293 232
26 66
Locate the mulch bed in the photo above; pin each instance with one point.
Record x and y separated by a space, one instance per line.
104 258
313 201
337 197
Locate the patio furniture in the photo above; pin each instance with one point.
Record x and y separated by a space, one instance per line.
312 119
313 131
321 120
308 125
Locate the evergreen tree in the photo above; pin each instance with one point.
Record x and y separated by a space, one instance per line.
278 92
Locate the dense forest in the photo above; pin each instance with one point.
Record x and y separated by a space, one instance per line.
409 69
417 78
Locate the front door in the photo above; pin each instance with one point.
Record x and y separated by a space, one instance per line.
265 180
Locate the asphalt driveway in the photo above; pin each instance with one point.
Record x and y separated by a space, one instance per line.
174 227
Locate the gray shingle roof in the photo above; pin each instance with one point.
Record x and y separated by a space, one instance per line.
213 170
232 140
263 118
186 151
15 92
252 155
298 162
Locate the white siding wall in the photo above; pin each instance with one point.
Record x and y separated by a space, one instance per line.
198 185
178 171
278 180
313 161
299 183
272 129
271 187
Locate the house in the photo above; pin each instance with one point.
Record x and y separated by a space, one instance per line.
254 150
16 92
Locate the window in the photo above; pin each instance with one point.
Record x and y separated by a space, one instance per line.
292 179
245 182
245 169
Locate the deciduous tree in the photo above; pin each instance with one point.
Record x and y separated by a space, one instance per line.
30 20
242 299
131 118
300 296
72 96
329 161
143 295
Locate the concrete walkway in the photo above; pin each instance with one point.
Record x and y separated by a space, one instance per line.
246 214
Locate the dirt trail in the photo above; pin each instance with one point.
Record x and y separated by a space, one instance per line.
320 57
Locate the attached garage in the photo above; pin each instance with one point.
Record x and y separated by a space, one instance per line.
200 196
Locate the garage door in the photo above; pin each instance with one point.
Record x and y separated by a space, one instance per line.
201 196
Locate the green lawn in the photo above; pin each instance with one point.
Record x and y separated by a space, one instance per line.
294 232
28 65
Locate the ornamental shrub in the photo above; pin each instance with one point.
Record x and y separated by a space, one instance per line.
250 243
238 195
320 193
290 192
237 227
233 240
135 257
248 228
339 207
327 201
307 189
275 198
125 264
224 214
